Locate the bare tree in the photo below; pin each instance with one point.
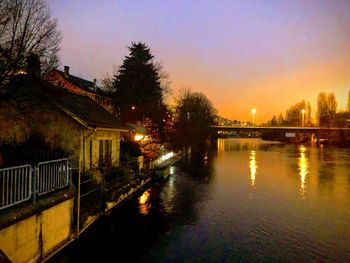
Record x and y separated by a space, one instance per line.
326 109
194 114
26 27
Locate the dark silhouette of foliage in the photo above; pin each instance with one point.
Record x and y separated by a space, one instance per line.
349 101
294 116
137 86
194 116
326 109
26 27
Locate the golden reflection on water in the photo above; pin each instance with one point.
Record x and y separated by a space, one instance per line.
253 167
144 205
221 145
303 167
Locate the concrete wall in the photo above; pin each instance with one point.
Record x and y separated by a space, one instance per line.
35 237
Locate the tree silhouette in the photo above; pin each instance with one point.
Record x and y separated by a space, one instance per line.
137 86
294 114
26 27
194 116
326 109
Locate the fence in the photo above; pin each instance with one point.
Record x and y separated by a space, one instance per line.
15 185
21 183
52 175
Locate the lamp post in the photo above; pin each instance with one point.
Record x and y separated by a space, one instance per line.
253 113
302 118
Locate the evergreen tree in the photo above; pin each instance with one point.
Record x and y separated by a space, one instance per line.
137 87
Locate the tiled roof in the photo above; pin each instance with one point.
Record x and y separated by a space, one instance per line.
81 83
87 110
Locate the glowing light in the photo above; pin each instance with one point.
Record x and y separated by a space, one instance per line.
144 205
253 167
143 198
139 137
166 156
303 171
302 118
253 113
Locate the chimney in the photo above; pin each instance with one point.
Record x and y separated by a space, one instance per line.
95 86
66 71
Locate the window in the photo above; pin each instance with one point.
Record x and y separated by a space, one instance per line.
105 154
90 152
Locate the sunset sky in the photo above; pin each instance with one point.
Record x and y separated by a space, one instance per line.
249 54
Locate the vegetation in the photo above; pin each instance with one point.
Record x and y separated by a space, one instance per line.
137 86
294 116
26 27
194 114
326 109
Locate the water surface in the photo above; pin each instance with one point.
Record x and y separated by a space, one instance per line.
246 201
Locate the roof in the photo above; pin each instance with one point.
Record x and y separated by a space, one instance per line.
87 110
137 128
81 83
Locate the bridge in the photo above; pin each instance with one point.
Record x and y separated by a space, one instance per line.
276 128
318 132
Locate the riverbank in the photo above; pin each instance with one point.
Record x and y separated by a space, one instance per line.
78 209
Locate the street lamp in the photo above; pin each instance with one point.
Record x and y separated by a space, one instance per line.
302 118
253 113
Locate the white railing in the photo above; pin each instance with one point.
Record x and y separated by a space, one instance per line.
52 175
15 185
21 183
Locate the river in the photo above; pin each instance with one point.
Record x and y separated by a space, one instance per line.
248 200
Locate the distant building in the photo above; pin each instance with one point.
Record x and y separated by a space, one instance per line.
81 86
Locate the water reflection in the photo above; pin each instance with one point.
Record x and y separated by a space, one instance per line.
144 203
168 194
244 144
303 167
203 213
253 167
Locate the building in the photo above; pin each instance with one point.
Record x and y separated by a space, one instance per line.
81 86
66 120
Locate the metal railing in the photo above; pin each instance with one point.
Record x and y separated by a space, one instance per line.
52 175
15 185
21 183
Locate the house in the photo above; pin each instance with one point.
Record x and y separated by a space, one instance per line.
100 130
81 86
67 120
